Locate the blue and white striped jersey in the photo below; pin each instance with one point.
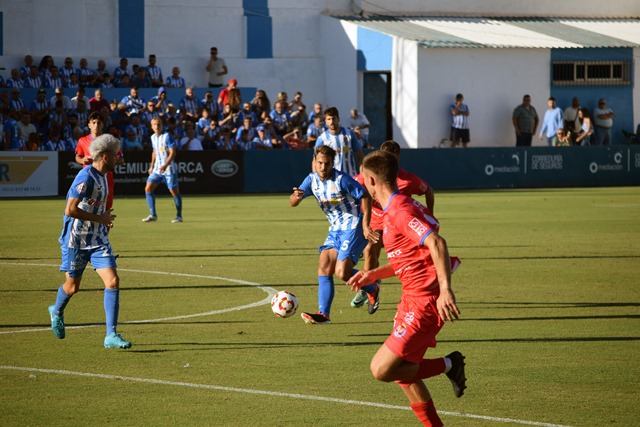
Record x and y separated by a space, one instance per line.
90 186
338 196
161 145
346 145
175 81
155 73
460 121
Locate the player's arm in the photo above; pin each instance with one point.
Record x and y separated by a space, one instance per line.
430 199
446 303
296 197
72 210
362 277
170 157
153 161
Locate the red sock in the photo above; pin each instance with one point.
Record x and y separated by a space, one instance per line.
426 413
430 368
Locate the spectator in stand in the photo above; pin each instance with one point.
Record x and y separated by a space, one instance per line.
138 127
295 139
25 127
56 143
53 80
174 80
161 102
553 120
359 123
97 102
124 82
217 68
262 140
174 129
120 71
211 134
459 122
101 70
67 70
586 128
4 101
190 142
80 95
58 117
270 132
525 121
72 124
248 112
131 142
141 79
284 98
39 110
226 141
60 96
189 106
12 139
105 112
34 143
315 129
106 81
26 68
563 138
299 118
120 118
228 119
281 118
209 104
172 112
260 103
150 113
223 96
16 103
317 111
154 72
72 83
14 81
83 114
295 103
246 126
603 122
45 66
33 80
86 76
203 122
571 120
134 103
245 142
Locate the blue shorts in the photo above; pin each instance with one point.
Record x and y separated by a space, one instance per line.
75 260
171 180
348 243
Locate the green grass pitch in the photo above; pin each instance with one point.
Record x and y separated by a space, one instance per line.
548 288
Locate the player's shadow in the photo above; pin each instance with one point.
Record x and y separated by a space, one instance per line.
200 346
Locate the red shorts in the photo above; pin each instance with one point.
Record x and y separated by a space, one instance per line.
415 327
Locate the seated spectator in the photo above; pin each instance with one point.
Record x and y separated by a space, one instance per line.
203 123
208 103
154 72
248 112
72 83
231 91
60 96
141 79
82 112
317 111
246 126
190 142
120 118
315 129
33 80
226 141
26 68
295 140
262 140
58 116
137 127
44 69
120 71
150 113
300 118
161 101
72 124
105 112
14 81
39 110
284 98
125 81
172 112
586 127
228 119
97 102
106 82
15 102
134 103
245 142
131 142
174 80
67 70
281 119
211 134
564 139
189 106
80 96
101 71
53 80
86 76
270 132
295 103
25 127
260 103
76 135
174 129
56 143
33 143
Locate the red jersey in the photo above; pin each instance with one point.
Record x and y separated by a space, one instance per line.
82 149
406 224
408 184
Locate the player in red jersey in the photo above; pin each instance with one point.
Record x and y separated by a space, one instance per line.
420 258
408 184
96 123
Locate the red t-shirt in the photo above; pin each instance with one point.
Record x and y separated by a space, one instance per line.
406 224
82 149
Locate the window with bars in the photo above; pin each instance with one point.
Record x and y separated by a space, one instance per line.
591 73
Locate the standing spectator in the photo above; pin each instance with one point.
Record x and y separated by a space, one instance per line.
571 120
459 122
553 120
163 170
174 80
85 238
97 102
359 123
86 76
586 127
11 130
26 68
217 68
189 106
343 141
525 121
14 80
154 72
603 121
134 103
120 71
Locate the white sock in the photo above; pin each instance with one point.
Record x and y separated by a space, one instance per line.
447 364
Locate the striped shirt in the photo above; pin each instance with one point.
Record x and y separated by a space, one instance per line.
90 186
339 198
155 73
346 145
13 83
460 121
189 105
53 82
161 145
175 81
33 82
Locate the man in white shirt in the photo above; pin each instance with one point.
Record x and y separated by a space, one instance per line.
360 125
602 121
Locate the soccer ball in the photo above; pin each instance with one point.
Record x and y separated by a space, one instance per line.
284 304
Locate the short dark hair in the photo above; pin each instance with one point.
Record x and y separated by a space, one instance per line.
325 150
333 112
383 164
96 116
391 146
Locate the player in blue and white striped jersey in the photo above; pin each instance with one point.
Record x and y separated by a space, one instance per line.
162 170
339 196
85 238
343 141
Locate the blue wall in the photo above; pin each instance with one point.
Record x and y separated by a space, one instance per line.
374 50
259 29
619 98
131 28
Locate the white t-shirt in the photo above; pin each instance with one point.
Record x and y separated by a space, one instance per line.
195 145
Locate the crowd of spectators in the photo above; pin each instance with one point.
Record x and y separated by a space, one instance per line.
223 123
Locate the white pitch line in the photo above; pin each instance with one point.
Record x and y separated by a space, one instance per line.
268 290
270 393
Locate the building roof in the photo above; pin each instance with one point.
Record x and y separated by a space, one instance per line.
479 32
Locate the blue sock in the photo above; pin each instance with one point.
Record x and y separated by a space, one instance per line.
178 202
61 301
151 202
325 294
111 308
370 288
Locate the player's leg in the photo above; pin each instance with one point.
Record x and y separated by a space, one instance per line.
326 290
150 187
74 261
177 200
351 244
422 404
